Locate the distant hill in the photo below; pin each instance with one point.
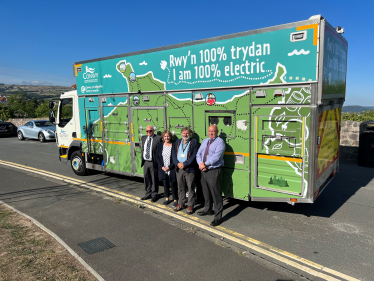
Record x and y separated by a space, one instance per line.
33 91
356 108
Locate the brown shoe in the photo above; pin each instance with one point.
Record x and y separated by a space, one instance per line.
178 208
189 210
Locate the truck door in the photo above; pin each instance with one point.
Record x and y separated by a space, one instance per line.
235 180
27 129
141 118
117 139
66 122
279 148
94 130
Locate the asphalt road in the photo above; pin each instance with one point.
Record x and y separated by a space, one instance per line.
147 248
336 231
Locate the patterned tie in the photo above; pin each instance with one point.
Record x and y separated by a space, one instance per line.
206 150
147 152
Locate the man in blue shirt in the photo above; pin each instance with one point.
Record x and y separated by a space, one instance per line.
184 155
210 160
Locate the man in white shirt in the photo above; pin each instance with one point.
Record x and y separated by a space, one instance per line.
149 163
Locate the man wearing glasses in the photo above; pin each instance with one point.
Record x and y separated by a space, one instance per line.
149 163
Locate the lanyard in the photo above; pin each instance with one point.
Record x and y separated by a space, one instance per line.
187 143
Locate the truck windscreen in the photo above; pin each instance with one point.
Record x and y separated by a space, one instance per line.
66 112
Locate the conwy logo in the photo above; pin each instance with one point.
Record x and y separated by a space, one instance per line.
63 134
90 70
90 74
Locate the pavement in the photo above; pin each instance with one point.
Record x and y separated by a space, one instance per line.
337 231
147 246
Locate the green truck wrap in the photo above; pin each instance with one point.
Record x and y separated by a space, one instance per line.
266 90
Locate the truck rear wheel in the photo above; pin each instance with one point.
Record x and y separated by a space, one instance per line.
78 164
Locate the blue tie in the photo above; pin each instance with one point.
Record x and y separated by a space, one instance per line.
147 154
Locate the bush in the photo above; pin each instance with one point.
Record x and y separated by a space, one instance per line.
360 117
5 112
42 110
19 106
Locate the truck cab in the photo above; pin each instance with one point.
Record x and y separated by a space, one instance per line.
68 128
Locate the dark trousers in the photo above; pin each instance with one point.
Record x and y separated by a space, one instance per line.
150 179
211 184
172 185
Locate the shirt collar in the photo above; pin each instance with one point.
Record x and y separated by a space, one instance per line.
212 140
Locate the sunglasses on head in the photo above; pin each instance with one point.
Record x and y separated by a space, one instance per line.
149 131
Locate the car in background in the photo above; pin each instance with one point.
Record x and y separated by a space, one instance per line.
6 128
38 129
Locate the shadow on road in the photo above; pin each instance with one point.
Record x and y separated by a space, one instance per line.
37 193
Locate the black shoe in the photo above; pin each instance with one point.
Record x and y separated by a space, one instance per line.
202 213
154 199
216 222
146 197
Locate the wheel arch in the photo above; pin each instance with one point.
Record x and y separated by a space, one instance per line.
23 133
74 146
20 130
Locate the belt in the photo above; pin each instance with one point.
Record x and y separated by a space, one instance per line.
220 167
148 160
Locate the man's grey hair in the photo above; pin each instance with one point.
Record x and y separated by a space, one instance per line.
186 129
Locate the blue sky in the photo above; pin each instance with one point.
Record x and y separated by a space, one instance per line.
40 40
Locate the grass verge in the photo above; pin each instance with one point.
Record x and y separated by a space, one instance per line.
28 253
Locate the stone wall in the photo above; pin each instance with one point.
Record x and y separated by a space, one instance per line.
21 121
349 140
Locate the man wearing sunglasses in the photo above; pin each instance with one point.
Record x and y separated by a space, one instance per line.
149 163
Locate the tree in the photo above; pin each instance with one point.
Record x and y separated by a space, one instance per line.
17 103
281 182
42 110
360 117
30 108
5 112
271 181
275 180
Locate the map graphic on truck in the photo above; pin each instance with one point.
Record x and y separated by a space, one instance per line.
249 59
137 83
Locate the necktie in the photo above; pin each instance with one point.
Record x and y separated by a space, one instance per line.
206 151
147 152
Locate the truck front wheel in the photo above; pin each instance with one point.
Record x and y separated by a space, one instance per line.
78 164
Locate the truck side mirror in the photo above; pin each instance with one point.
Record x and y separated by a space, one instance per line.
51 116
51 104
